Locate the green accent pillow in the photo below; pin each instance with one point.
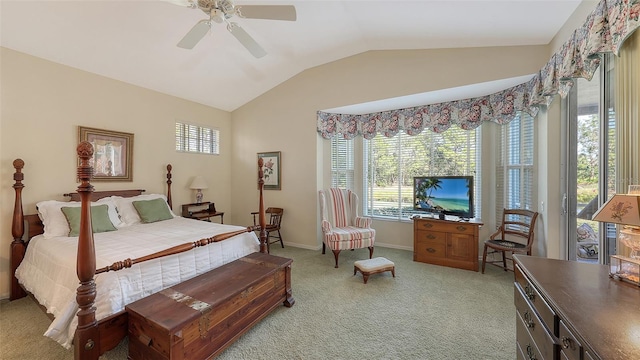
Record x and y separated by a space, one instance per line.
152 210
100 221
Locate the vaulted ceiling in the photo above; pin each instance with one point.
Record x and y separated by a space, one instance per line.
134 41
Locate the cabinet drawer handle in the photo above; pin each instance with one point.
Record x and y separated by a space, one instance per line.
431 236
461 228
528 320
530 353
431 250
427 225
567 343
529 292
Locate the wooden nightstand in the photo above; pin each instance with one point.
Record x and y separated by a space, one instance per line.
203 211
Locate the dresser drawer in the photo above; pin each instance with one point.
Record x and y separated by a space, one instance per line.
446 227
431 236
429 249
525 342
569 344
533 324
548 316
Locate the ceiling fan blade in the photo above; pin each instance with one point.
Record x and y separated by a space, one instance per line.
197 32
245 39
269 12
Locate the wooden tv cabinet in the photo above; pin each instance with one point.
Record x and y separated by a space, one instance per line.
447 243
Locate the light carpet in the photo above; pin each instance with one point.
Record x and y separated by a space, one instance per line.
425 312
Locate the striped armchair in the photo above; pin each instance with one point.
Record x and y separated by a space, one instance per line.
342 228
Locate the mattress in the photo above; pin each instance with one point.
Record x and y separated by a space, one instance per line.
48 270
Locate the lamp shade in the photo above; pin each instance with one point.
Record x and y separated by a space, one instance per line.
620 209
198 183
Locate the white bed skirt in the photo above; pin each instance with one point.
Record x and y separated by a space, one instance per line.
48 270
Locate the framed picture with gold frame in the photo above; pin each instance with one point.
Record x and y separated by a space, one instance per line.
112 153
271 169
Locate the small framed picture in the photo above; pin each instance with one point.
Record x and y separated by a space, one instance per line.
112 153
271 169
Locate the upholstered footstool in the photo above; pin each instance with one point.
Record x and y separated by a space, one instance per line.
373 266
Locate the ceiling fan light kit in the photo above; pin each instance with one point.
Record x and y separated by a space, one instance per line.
218 16
220 11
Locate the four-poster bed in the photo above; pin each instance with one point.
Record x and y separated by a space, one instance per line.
103 323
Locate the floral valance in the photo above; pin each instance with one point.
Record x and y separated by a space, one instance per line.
604 30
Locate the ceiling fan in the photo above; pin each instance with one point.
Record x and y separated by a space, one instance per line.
220 11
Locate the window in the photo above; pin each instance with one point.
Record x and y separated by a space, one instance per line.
591 163
515 168
389 165
342 163
197 139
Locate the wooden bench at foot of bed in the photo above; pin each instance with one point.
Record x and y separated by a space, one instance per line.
199 318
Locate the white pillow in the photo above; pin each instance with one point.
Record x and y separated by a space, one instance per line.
54 221
126 210
113 211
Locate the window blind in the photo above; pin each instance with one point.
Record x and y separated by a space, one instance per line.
197 139
342 163
515 166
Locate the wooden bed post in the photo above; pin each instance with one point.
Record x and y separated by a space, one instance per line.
87 336
17 230
261 216
169 167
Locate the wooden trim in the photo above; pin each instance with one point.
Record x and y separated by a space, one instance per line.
97 195
262 219
18 246
127 263
169 201
34 226
87 337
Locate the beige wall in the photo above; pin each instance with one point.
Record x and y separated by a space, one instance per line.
42 105
284 119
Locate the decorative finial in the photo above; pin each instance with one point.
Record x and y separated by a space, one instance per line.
18 164
85 149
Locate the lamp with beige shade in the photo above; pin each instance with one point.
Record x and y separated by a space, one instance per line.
198 184
624 209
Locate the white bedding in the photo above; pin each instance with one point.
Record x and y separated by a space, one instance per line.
49 268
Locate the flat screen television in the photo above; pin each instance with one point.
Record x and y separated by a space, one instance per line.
449 195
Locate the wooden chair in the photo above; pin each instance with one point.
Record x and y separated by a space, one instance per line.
342 228
275 221
516 224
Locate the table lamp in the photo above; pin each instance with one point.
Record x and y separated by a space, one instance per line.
623 209
198 184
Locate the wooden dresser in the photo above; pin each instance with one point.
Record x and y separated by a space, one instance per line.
448 243
571 311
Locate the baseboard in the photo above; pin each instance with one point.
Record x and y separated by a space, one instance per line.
377 244
393 246
302 246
